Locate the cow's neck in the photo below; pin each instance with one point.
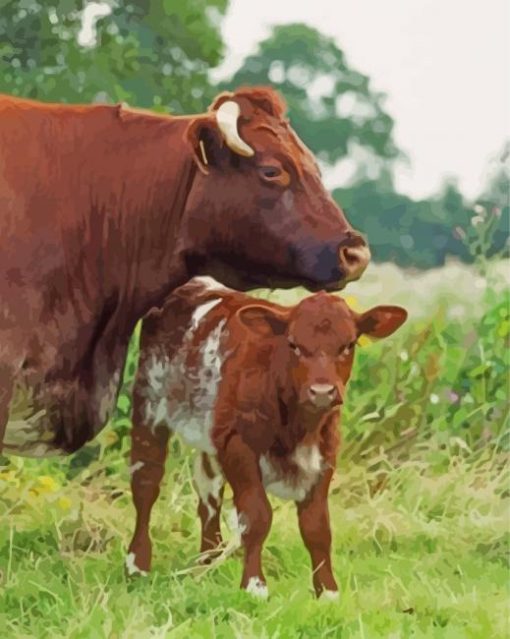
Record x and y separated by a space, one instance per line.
123 250
141 211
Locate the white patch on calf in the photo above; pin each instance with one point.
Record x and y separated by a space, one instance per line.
157 371
181 398
296 487
210 283
308 459
208 486
201 311
257 588
329 595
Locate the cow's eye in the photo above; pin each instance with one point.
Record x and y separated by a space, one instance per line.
270 172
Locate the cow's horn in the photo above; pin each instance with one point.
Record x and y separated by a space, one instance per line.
226 117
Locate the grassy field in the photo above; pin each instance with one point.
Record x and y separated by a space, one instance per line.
419 505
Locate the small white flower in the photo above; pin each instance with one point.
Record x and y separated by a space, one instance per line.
434 399
404 356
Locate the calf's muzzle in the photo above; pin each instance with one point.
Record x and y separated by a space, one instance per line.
324 395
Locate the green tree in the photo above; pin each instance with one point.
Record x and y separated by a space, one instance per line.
150 53
331 105
409 232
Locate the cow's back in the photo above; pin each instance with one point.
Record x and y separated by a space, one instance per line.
182 350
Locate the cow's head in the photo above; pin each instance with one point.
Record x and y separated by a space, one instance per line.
320 335
258 213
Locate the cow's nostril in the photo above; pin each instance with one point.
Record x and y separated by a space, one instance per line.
354 260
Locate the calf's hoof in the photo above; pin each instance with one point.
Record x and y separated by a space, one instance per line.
329 595
132 570
257 588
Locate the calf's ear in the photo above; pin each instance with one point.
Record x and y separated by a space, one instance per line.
381 321
263 320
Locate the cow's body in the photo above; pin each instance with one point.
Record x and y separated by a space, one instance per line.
104 210
240 397
72 232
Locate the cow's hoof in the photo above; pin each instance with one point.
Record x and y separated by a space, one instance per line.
257 588
132 569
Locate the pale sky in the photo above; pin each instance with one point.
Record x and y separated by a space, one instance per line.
444 65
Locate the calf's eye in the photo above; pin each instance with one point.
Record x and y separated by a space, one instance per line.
295 348
345 350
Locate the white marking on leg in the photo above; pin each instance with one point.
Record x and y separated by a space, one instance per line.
136 466
329 595
257 588
132 568
208 486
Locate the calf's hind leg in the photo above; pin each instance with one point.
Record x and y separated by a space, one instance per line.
148 455
209 484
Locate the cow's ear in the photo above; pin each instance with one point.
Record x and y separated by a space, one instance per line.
381 321
205 141
263 320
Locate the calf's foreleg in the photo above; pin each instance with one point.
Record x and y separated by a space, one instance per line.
313 515
241 468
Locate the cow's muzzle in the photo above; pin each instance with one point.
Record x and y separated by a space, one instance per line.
336 264
354 257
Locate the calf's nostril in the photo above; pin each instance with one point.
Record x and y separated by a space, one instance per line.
322 394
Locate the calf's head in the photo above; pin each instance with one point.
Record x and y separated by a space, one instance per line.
318 339
258 213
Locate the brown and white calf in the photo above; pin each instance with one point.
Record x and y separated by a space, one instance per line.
257 388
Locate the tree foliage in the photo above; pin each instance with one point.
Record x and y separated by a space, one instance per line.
424 233
331 105
152 53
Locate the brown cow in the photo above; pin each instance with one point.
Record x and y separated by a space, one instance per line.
104 210
257 387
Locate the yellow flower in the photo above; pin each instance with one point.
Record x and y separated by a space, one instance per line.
351 302
46 484
10 477
64 502
363 340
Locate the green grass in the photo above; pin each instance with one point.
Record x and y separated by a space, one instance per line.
419 506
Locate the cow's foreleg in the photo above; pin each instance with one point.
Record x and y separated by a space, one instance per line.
241 468
315 529
209 484
6 386
148 455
